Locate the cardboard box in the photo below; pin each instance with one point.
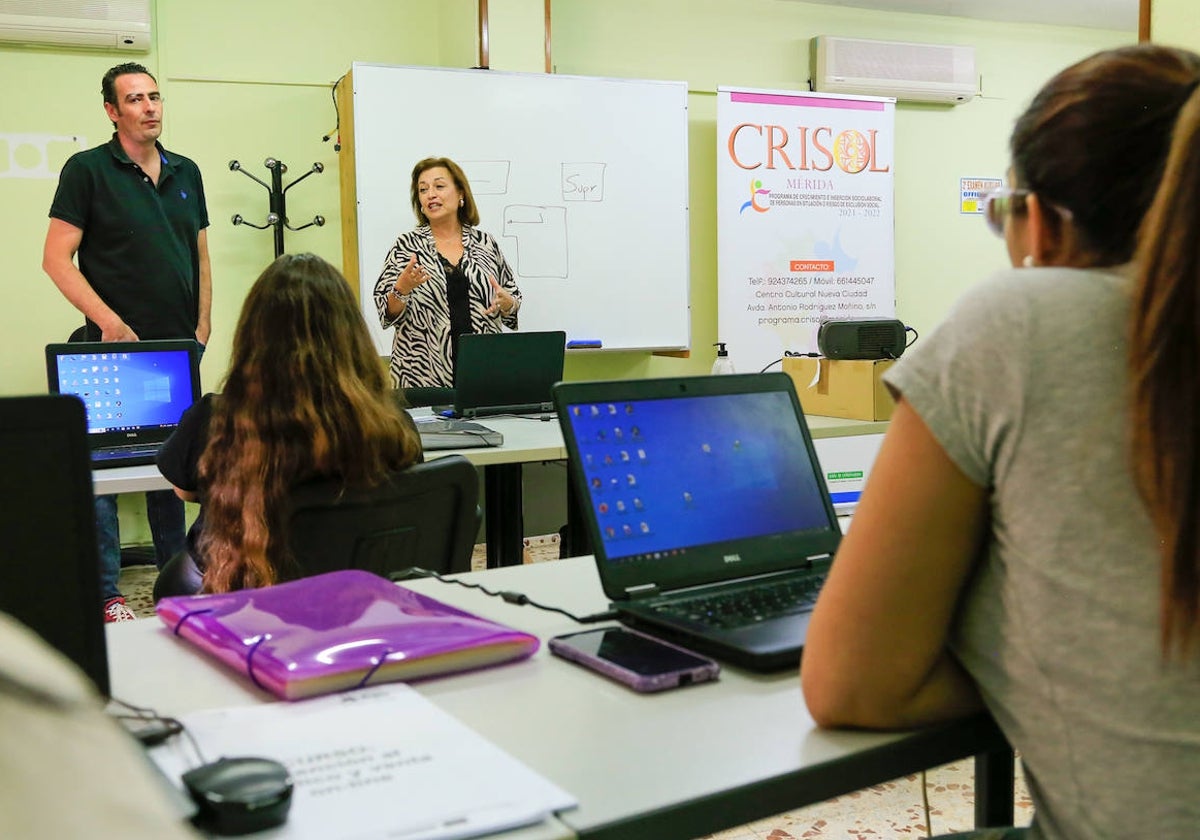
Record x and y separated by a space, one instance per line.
841 388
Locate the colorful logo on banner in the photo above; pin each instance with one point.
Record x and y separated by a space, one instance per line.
823 166
806 148
756 189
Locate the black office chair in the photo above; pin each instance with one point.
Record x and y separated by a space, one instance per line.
50 578
427 515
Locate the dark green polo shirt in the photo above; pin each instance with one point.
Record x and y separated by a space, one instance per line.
139 248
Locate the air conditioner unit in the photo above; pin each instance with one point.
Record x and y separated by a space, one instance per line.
122 25
909 72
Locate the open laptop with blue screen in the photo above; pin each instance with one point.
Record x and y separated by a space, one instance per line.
133 393
706 508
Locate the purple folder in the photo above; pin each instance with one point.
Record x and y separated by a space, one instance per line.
339 630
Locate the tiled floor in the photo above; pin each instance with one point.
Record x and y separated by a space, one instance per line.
894 809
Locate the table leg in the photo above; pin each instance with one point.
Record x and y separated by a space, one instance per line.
504 505
578 542
995 773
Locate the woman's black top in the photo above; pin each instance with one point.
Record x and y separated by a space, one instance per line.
458 299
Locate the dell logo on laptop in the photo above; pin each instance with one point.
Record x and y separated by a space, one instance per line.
732 558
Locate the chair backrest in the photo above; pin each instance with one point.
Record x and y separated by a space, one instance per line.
427 515
50 573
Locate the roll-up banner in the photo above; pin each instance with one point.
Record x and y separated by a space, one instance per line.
805 219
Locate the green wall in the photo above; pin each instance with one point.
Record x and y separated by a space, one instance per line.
1175 22
243 81
240 80
765 44
252 80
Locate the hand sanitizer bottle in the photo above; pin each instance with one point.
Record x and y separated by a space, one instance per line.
722 363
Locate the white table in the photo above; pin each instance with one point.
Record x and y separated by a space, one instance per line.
529 439
827 427
677 764
526 440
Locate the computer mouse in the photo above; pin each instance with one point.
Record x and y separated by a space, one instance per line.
239 795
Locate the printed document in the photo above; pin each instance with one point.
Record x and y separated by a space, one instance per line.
380 762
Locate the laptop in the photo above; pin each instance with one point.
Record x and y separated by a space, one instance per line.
446 433
133 392
50 578
709 519
506 373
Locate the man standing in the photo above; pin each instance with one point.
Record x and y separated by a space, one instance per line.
135 214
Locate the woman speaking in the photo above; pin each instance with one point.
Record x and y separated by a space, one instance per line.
444 278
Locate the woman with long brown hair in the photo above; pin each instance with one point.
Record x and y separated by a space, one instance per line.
305 397
1028 538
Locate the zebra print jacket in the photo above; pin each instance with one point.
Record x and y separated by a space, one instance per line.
421 344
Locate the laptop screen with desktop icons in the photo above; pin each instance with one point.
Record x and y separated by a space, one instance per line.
684 473
128 388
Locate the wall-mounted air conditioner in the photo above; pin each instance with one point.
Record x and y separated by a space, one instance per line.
122 25
909 72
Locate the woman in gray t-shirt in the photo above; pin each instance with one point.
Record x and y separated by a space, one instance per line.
1029 539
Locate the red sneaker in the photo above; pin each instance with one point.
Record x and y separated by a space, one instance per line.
115 610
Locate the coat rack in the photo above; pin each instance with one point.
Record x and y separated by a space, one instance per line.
277 212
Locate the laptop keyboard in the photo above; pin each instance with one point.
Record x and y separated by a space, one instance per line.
742 607
136 450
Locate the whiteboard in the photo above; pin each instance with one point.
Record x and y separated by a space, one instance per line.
582 181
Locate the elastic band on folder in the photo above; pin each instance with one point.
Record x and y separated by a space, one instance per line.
186 616
378 664
250 660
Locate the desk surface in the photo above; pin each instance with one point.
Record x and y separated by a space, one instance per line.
526 440
827 427
677 764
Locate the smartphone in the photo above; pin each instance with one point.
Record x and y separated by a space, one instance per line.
639 661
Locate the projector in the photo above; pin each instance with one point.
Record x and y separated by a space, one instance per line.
861 339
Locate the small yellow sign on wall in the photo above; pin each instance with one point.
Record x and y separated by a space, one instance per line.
971 192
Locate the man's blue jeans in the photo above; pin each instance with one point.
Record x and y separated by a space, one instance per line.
164 511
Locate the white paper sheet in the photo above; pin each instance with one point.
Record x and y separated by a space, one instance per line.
375 763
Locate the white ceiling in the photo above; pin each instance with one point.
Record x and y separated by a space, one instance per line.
1097 14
